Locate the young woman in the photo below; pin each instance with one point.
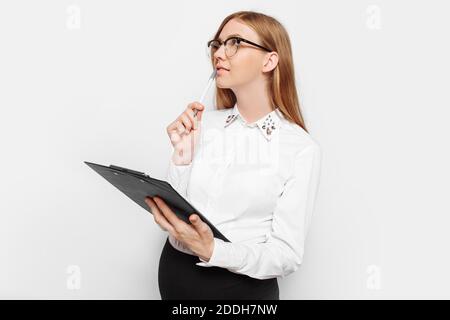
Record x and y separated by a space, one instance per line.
250 166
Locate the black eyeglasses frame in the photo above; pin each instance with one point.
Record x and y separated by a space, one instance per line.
239 40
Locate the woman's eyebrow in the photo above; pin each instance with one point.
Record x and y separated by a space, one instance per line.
231 35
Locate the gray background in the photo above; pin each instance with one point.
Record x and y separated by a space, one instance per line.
100 80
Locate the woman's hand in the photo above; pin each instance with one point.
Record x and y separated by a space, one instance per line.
184 133
198 237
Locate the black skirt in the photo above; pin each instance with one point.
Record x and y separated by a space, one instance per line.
180 278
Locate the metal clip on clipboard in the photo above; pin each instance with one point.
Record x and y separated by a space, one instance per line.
126 170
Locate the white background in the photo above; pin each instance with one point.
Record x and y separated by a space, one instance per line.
99 81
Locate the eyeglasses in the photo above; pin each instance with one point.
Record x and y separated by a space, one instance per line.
232 45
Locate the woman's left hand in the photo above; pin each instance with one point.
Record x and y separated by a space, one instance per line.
198 237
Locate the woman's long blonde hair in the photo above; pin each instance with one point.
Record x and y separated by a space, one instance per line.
282 87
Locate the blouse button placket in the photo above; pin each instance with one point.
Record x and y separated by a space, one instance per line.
217 180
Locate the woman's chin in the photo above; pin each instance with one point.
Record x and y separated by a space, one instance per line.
222 84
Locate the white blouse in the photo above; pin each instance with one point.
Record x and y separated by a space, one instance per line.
257 183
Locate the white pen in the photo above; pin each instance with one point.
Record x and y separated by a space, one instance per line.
205 91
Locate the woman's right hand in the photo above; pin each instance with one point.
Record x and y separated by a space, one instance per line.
184 133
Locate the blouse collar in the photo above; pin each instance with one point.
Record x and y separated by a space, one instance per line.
267 124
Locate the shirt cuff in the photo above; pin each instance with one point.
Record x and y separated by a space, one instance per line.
178 169
220 256
178 176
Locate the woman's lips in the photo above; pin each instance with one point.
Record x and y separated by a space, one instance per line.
221 71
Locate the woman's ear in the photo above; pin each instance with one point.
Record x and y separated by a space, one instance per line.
270 61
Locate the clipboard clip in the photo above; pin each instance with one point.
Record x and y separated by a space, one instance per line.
126 170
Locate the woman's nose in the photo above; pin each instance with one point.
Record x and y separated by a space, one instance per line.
220 53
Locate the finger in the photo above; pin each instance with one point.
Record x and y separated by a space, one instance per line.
175 127
201 227
199 107
175 137
190 113
192 145
172 126
196 105
151 204
199 116
171 217
153 207
159 218
186 122
180 127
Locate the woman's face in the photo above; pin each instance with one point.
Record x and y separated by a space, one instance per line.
248 62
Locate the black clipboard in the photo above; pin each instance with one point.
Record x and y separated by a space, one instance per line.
137 185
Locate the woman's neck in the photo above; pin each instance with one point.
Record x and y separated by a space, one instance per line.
253 101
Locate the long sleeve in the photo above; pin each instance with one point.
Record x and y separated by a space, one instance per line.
282 252
178 177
